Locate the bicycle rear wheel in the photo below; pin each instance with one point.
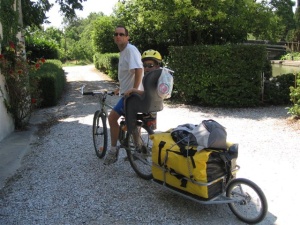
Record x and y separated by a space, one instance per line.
139 152
251 204
100 133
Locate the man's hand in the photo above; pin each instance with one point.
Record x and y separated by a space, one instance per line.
133 90
116 91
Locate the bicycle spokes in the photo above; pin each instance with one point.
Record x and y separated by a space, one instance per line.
139 152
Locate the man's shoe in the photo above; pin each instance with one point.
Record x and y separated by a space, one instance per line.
112 157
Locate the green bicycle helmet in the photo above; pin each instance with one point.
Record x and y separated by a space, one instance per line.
152 54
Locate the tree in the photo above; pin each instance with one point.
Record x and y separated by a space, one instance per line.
34 12
193 22
284 10
102 35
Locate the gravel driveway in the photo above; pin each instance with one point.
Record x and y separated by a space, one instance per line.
61 180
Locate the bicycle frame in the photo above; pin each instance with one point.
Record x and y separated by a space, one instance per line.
102 95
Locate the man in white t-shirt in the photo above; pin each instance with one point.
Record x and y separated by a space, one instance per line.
130 74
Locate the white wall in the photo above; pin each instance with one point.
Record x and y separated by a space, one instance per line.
6 121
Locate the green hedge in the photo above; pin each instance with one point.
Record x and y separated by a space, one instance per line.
107 63
41 48
277 89
221 75
294 110
52 81
226 76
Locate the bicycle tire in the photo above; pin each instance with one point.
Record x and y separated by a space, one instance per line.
251 204
140 158
100 134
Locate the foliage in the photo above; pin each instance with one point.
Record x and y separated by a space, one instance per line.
21 88
277 89
284 10
51 33
291 56
107 63
38 47
9 19
295 98
195 22
34 12
52 82
102 35
78 38
213 79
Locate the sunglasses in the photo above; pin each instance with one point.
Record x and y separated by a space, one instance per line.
120 34
148 65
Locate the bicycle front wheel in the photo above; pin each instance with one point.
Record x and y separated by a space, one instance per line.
139 152
100 133
251 204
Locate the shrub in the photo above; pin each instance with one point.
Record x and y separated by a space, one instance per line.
226 76
277 89
295 98
52 81
21 88
107 63
41 48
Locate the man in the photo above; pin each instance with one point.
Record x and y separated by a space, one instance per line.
130 74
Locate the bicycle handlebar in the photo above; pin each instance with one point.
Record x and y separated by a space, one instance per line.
88 93
111 93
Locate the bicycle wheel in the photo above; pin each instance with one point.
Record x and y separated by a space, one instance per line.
100 133
251 204
139 152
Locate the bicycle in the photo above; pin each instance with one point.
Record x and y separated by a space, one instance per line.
137 144
245 199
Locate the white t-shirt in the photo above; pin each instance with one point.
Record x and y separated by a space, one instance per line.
130 59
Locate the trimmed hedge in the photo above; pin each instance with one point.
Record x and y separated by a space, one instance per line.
277 89
37 48
108 64
221 75
52 81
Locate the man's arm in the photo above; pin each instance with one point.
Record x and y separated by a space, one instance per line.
138 77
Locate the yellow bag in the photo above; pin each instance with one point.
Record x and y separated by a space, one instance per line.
183 172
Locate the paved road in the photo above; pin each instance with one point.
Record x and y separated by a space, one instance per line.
61 181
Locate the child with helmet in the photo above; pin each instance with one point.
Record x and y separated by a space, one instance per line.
151 61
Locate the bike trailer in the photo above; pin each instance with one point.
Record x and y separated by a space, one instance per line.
202 173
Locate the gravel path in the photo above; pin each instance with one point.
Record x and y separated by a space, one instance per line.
61 180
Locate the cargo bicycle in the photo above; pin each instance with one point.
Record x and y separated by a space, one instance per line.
245 198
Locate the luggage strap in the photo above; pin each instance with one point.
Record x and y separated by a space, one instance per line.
227 161
160 147
179 177
185 153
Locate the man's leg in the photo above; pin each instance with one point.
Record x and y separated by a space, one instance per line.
114 127
112 155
